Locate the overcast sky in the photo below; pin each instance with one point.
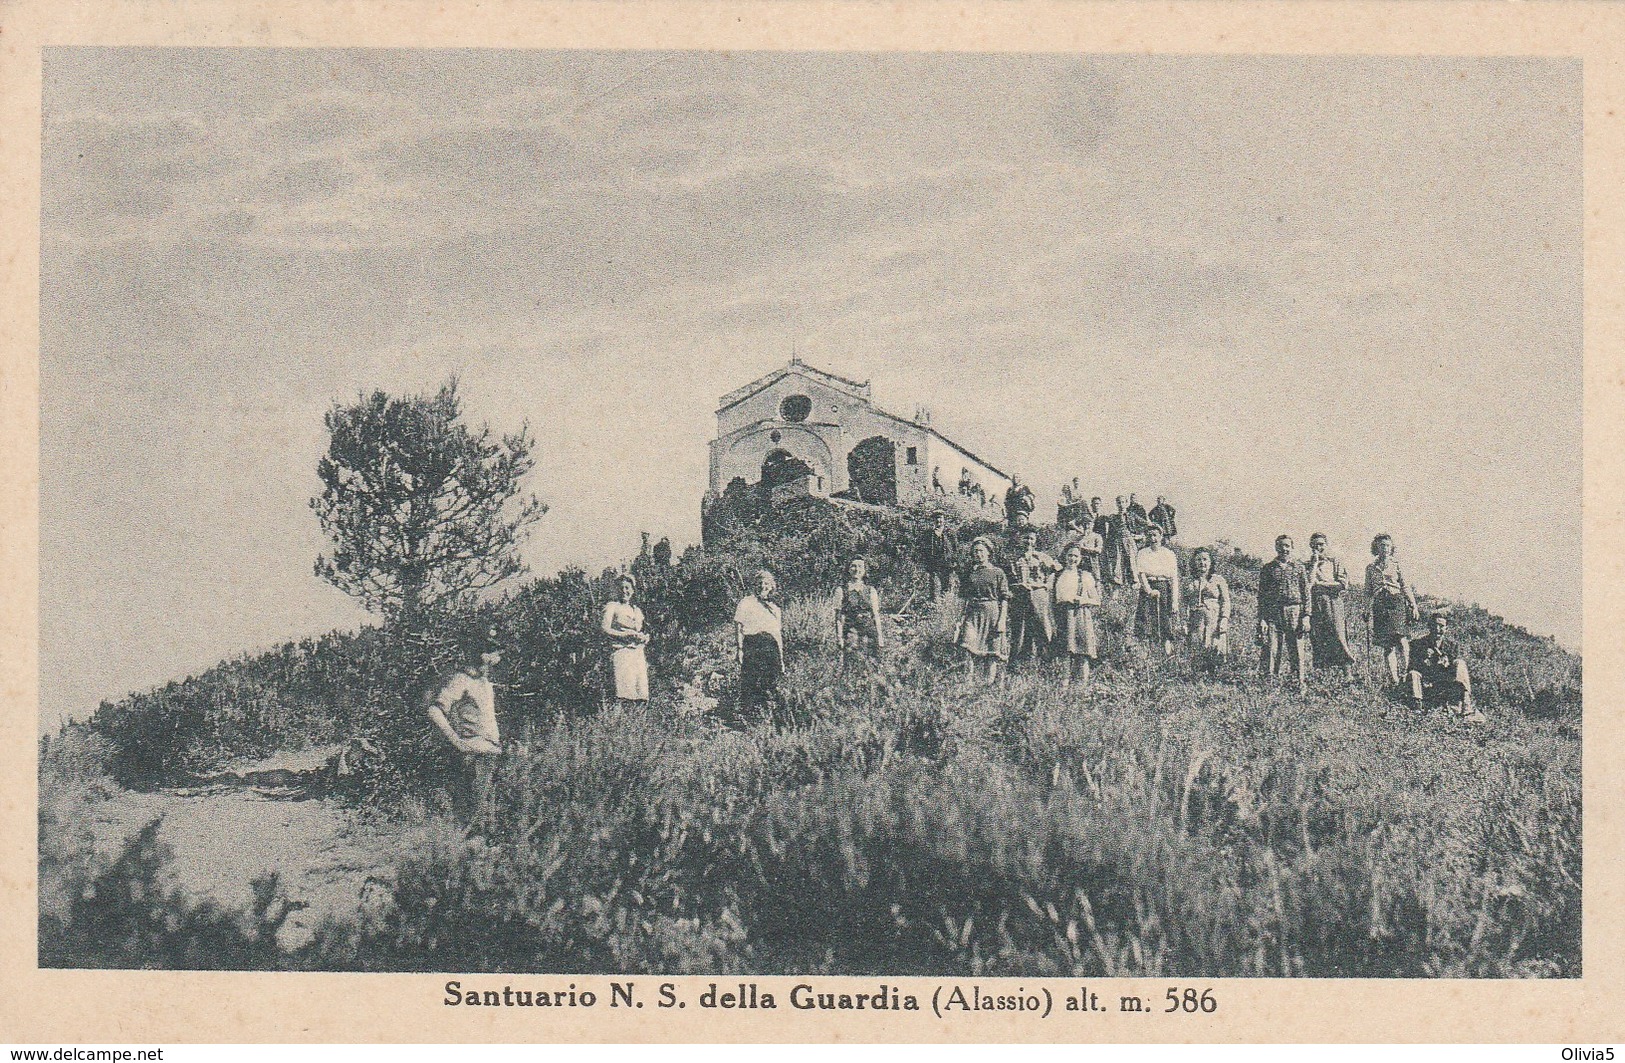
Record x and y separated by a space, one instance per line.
1293 294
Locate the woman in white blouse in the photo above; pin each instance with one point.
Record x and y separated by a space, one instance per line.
759 642
1157 577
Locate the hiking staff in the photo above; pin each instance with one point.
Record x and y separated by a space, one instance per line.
1370 675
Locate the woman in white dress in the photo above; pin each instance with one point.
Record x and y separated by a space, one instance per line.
623 626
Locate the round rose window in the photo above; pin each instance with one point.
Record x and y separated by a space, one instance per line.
795 408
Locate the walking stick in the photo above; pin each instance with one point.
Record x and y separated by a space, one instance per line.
1370 679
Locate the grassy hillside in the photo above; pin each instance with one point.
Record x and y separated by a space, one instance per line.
904 820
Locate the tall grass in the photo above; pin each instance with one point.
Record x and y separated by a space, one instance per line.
902 817
1158 824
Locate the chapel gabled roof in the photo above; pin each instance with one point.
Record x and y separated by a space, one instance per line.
795 365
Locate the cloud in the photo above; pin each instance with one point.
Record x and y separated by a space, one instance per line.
1315 289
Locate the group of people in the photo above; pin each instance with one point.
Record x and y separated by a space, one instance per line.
969 486
1111 540
1033 607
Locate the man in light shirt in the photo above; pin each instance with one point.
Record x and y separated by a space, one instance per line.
465 714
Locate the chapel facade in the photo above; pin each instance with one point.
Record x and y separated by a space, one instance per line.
803 430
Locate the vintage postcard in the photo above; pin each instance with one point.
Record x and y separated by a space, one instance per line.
812 522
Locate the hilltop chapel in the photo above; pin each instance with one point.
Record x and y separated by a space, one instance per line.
803 430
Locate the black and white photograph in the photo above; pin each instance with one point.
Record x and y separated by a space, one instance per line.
975 515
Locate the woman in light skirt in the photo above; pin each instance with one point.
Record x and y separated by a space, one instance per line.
1077 596
1209 596
984 626
623 625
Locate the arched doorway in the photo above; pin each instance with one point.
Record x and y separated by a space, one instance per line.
781 467
871 469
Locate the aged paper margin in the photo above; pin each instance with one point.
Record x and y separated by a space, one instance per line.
148 1007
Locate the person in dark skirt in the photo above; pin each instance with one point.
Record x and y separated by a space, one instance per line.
759 642
1393 607
857 614
1156 574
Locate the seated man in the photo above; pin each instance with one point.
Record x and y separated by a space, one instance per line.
1438 672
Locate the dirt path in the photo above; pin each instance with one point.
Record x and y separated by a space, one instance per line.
224 837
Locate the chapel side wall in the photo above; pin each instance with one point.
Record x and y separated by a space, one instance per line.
863 422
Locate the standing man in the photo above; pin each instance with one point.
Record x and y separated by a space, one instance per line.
1121 546
1097 518
937 553
1162 515
1019 502
1032 621
1142 520
1138 524
1283 613
1090 541
1439 674
465 714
